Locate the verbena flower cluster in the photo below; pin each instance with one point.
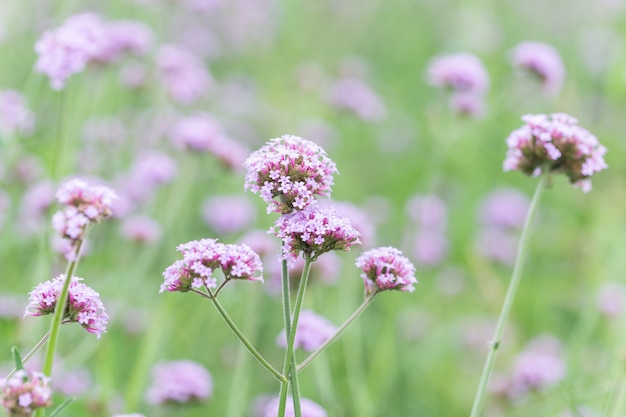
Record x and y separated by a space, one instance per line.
23 393
541 60
183 74
555 143
385 268
314 231
288 173
83 307
313 330
202 257
462 72
85 204
179 381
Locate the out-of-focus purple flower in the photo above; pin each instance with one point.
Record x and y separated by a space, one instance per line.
11 306
72 383
260 242
228 214
357 97
23 393
134 75
124 36
202 132
67 49
611 299
110 131
184 76
541 60
430 247
141 229
467 104
504 208
428 212
359 218
385 268
318 131
34 206
462 72
291 169
202 257
149 171
497 244
539 366
84 305
555 143
15 116
309 408
179 381
314 231
313 330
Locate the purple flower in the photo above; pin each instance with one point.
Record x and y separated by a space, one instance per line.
83 306
67 49
15 116
612 299
315 230
468 104
183 74
555 143
202 257
461 72
290 169
430 247
124 36
11 306
428 212
179 381
541 60
141 229
25 392
260 242
360 219
504 208
309 408
385 268
228 214
497 244
149 171
357 97
313 330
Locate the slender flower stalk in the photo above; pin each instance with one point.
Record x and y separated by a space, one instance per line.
284 386
508 301
30 354
368 300
244 340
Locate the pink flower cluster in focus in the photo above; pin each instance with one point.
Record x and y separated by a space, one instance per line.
179 381
83 307
292 169
313 330
541 60
555 143
385 268
315 230
202 257
23 393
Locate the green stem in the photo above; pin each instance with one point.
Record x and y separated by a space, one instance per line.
284 386
338 332
245 341
508 302
30 354
290 358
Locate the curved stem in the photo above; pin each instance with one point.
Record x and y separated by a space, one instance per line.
338 332
508 302
245 341
30 354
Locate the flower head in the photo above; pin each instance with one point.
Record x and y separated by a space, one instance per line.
179 381
15 116
183 74
541 60
292 170
84 305
313 330
555 143
461 72
202 257
385 268
24 392
315 230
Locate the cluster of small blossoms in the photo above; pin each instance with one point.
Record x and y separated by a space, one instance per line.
313 330
555 143
85 38
385 268
541 60
23 393
83 306
85 204
202 257
179 381
315 230
288 172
